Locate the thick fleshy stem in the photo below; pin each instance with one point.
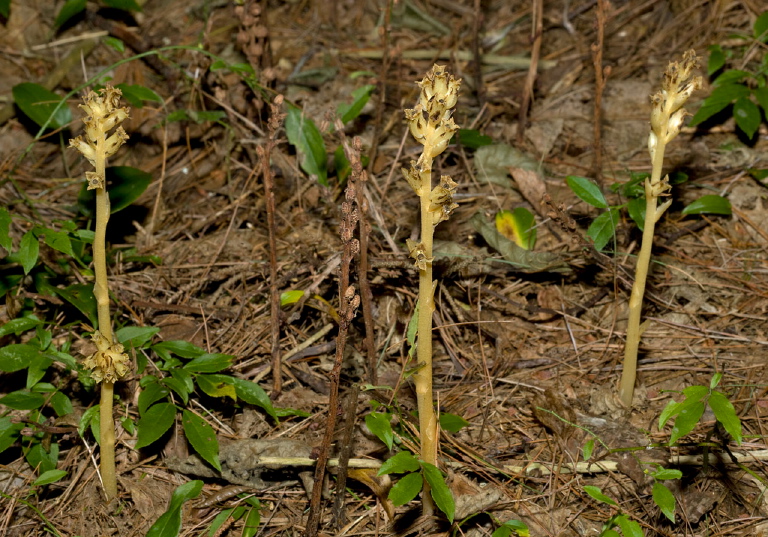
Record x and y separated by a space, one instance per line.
431 125
667 117
109 362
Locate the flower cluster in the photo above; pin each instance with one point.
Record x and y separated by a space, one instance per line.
668 113
109 363
430 121
431 124
103 114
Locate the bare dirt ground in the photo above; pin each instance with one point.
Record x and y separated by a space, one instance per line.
530 357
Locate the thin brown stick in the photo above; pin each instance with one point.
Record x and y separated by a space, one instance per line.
265 152
349 301
339 514
536 31
600 76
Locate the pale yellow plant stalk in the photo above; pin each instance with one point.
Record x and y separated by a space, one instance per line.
667 117
109 362
431 125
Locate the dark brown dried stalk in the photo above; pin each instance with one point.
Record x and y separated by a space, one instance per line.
349 301
360 177
275 122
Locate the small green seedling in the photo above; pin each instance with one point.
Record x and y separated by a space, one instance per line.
511 528
629 528
662 496
416 472
688 412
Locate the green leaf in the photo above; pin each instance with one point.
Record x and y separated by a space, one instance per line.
716 378
287 412
519 258
179 386
695 393
518 225
125 5
124 186
179 348
472 138
761 27
184 376
732 76
664 474
710 203
136 336
58 240
587 190
152 393
23 400
29 250
452 423
629 528
252 521
253 394
17 356
69 10
716 59
202 437
218 520
379 424
51 476
169 523
360 97
603 228
116 44
400 463
217 385
588 448
80 295
689 414
9 432
440 491
506 529
291 297
406 489
154 423
209 363
41 105
37 369
761 94
720 98
5 228
42 460
726 414
598 495
137 94
303 134
129 425
92 414
665 500
636 209
61 404
5 8
747 116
